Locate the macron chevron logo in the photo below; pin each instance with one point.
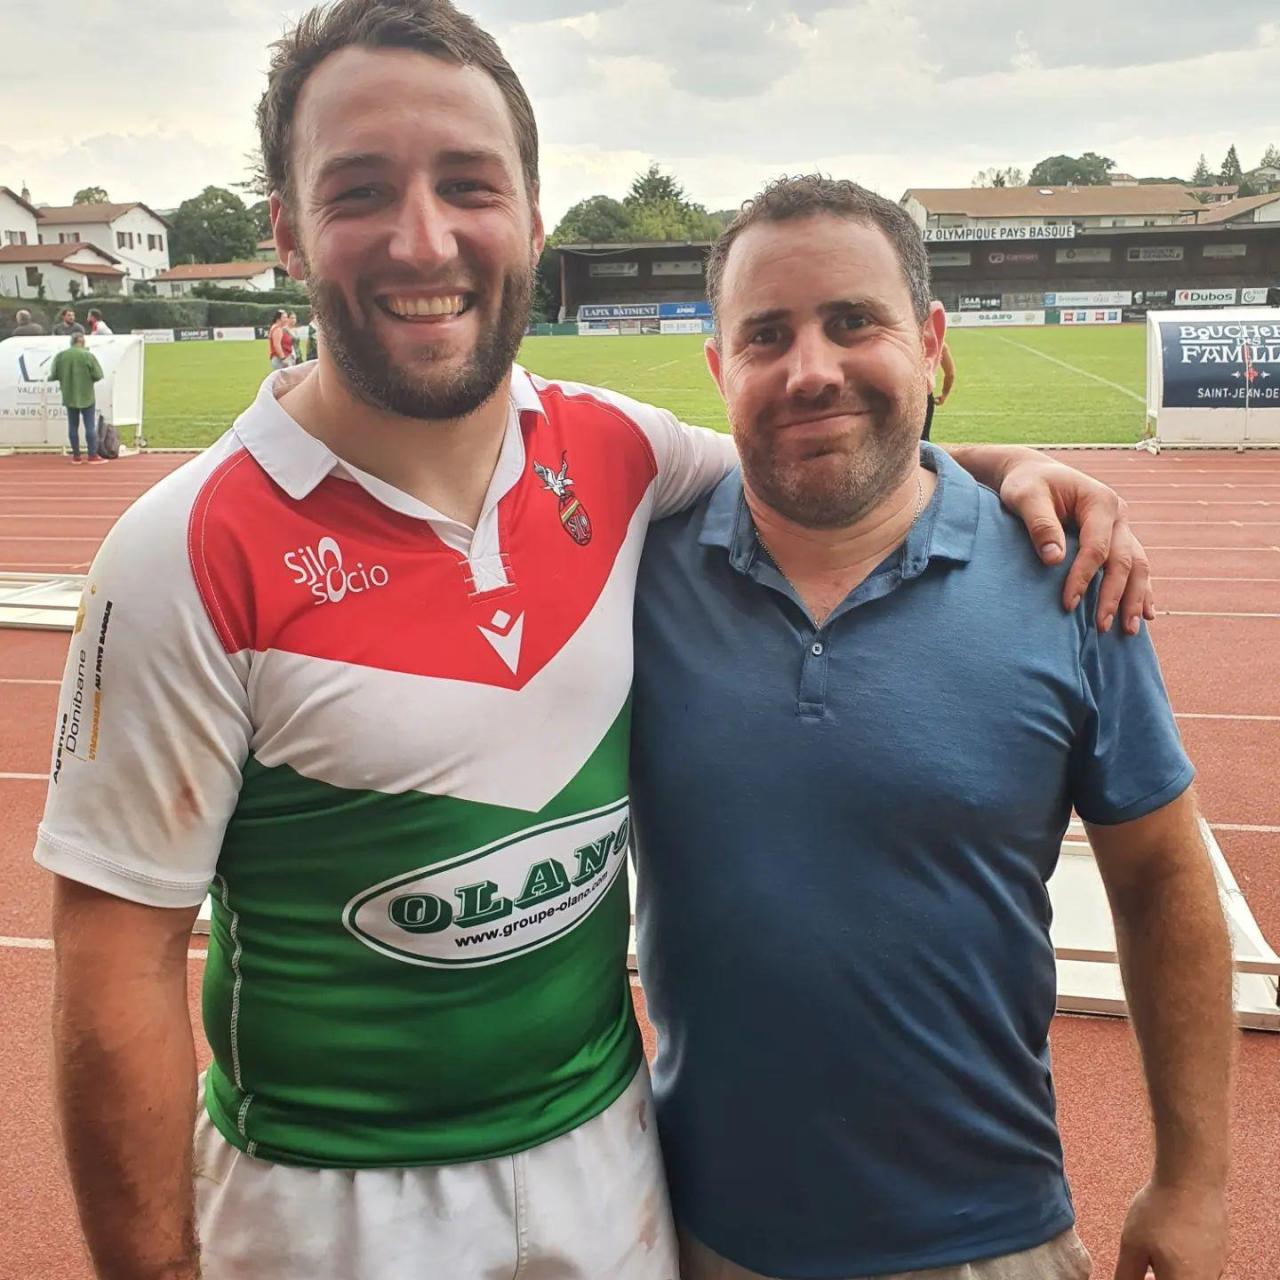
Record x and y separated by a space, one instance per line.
504 633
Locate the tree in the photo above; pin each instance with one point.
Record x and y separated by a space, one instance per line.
73 288
1202 177
255 180
260 212
144 289
1009 177
546 288
1270 158
1088 170
91 195
654 187
1231 171
213 227
596 220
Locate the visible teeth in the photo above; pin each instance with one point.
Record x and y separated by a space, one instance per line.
437 306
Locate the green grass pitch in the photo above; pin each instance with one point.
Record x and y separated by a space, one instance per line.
1053 385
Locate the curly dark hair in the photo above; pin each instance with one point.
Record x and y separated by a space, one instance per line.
434 27
807 194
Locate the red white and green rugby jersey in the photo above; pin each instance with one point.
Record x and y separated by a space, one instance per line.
394 749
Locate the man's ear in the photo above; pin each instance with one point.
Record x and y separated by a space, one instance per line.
286 239
539 231
933 334
711 350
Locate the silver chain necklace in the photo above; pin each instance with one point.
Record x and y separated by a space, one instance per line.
769 556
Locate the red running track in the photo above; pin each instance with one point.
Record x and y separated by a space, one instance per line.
1212 524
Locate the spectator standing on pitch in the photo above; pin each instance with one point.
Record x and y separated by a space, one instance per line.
97 325
76 369
67 323
275 347
24 326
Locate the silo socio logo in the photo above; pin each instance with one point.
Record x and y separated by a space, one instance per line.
321 570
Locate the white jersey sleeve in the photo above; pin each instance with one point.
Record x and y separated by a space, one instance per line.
153 722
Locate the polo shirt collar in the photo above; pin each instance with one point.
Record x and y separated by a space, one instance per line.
298 462
946 529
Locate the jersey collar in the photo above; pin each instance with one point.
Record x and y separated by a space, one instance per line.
297 462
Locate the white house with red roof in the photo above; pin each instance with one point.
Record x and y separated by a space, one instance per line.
19 219
24 268
133 233
179 281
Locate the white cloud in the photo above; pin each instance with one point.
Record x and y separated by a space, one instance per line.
726 93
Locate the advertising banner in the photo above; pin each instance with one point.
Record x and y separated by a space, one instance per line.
1225 250
1254 297
153 335
1014 257
1108 315
1098 298
993 319
1154 253
1000 231
193 335
1082 254
597 329
1153 297
1228 365
1204 297
241 333
957 259
614 269
683 310
678 267
684 326
618 311
981 302
31 411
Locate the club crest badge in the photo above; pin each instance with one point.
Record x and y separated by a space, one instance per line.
573 515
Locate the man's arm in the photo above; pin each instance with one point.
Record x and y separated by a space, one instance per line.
125 1071
97 368
1175 958
1043 494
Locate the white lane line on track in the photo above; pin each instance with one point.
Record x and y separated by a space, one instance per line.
20 680
1244 826
666 364
24 777
1214 715
1164 577
1071 368
1210 613
46 944
1235 524
45 537
1233 550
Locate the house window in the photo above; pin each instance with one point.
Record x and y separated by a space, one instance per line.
15 237
68 237
1149 222
124 239
33 277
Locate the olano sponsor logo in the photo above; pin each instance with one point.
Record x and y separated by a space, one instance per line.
321 569
499 901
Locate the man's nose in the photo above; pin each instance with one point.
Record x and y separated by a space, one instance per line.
813 370
423 236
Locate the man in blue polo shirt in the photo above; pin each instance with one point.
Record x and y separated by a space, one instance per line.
861 725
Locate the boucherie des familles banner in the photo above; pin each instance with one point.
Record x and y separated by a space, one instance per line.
1228 364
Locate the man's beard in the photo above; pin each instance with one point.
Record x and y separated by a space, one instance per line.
421 392
835 489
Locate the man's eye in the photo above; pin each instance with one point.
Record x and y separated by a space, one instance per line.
763 337
851 322
465 187
357 193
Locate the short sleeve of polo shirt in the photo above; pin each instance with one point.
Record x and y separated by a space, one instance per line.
152 728
1128 759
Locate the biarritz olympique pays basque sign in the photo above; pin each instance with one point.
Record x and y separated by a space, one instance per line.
1001 231
1233 364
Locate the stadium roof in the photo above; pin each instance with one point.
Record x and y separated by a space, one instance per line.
26 204
55 214
1229 209
31 254
606 247
215 271
1031 202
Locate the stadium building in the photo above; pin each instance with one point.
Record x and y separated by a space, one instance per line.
998 255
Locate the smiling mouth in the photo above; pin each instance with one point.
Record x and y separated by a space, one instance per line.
417 308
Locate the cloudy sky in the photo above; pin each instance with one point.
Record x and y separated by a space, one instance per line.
157 96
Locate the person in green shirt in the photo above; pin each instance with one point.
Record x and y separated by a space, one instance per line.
76 370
